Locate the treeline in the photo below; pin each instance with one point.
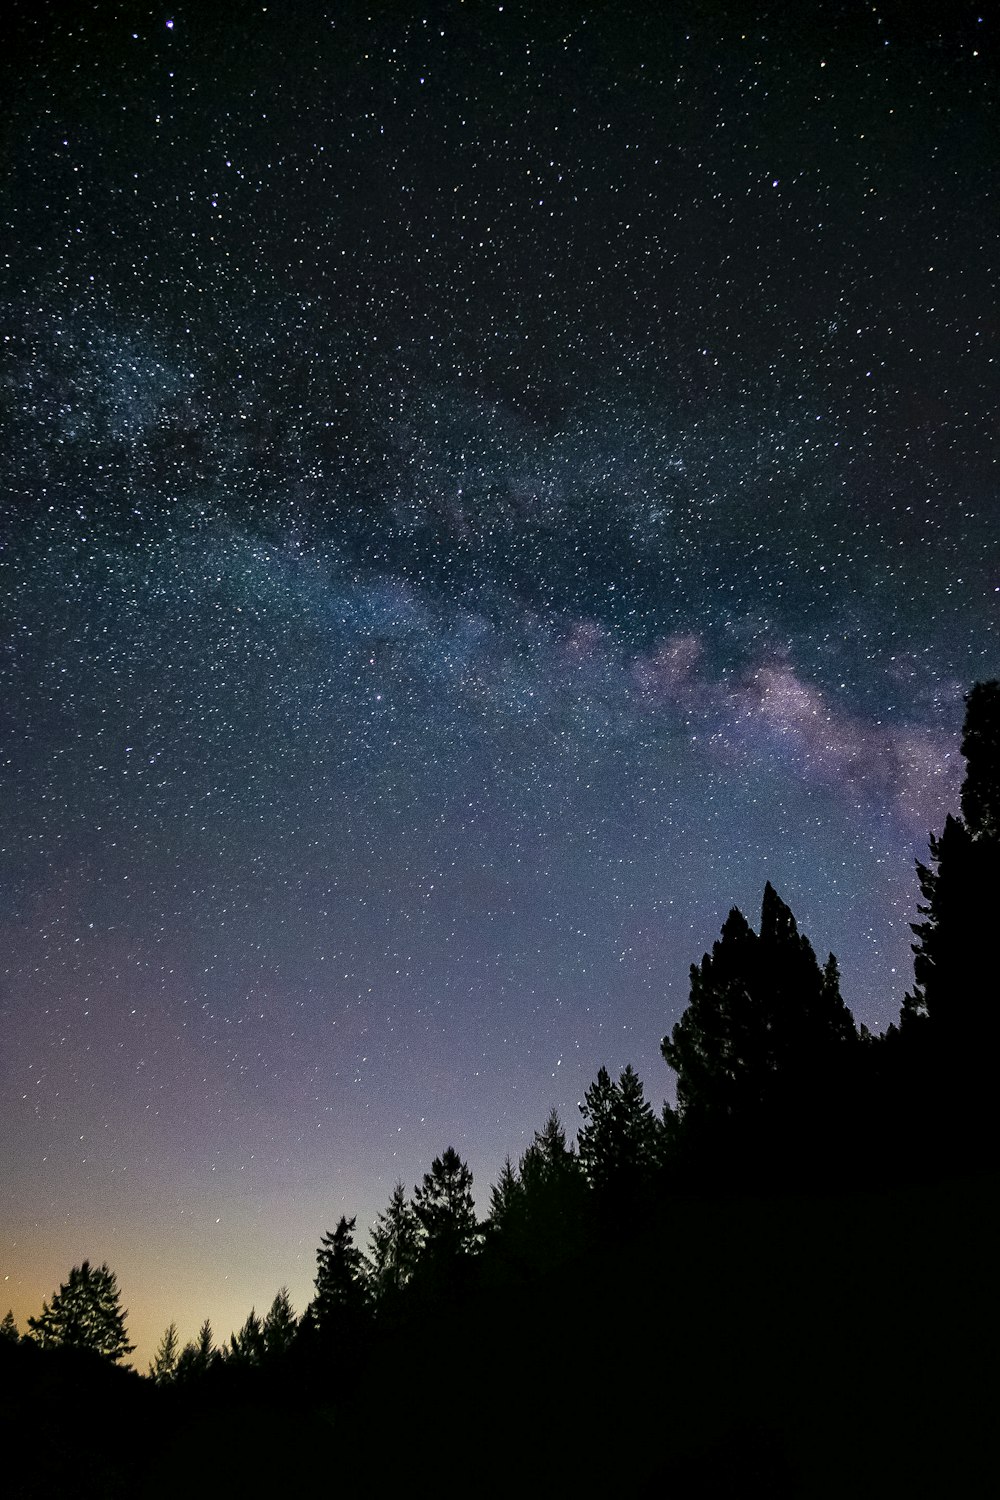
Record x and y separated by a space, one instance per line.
779 1096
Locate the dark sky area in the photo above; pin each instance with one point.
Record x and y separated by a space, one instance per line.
483 489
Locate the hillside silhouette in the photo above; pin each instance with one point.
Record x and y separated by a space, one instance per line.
783 1286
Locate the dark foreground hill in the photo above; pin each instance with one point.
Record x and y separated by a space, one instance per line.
783 1346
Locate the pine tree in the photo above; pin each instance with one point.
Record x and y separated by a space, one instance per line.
506 1200
765 1029
246 1347
198 1355
85 1314
444 1206
205 1346
619 1142
341 1288
949 1034
553 1193
163 1369
279 1325
956 986
594 1138
548 1159
981 749
395 1242
8 1328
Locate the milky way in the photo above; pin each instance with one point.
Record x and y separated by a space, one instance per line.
482 492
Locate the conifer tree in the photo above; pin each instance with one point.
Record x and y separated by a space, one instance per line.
764 1024
8 1328
340 1277
84 1314
444 1206
506 1199
279 1325
163 1369
205 1345
246 1346
981 749
949 1034
198 1355
619 1141
594 1136
957 989
549 1159
395 1246
553 1193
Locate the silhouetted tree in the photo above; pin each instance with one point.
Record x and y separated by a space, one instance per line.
551 1196
205 1345
198 1355
8 1328
506 1200
954 965
395 1242
949 1032
765 1032
549 1159
340 1277
85 1314
444 1207
279 1325
246 1347
163 1368
981 749
620 1141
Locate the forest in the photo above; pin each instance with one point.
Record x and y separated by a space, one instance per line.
784 1285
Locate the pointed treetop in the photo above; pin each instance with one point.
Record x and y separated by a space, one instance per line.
776 919
736 925
85 1314
981 748
761 1008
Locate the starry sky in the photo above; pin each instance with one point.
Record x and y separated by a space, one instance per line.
484 488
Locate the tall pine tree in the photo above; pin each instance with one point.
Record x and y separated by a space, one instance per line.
85 1313
341 1287
950 1026
395 1246
279 1325
445 1209
765 1039
620 1141
163 1369
957 988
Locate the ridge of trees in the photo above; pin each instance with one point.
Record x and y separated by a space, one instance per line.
773 1080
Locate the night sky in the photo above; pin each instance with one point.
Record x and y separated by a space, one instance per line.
483 489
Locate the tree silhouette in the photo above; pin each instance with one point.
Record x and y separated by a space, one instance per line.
981 749
198 1355
620 1141
549 1160
445 1210
765 1030
163 1368
395 1242
279 1325
538 1209
506 1200
950 1022
85 1314
246 1346
954 967
8 1328
340 1278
